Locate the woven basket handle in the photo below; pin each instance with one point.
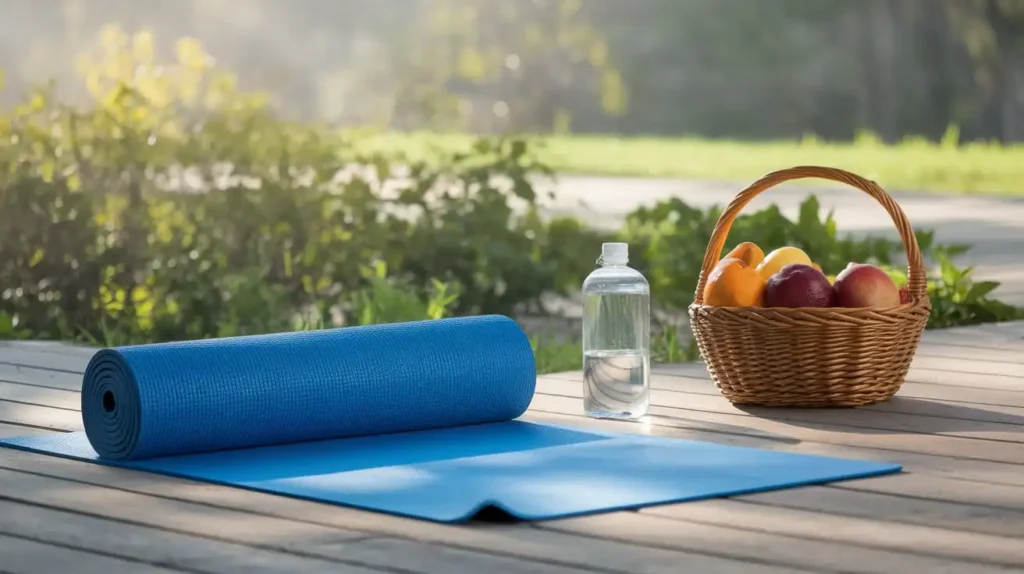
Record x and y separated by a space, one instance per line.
916 281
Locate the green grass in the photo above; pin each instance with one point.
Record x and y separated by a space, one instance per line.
913 165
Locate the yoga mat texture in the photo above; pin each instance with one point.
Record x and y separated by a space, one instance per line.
416 419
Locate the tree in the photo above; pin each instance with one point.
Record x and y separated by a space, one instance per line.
524 65
993 33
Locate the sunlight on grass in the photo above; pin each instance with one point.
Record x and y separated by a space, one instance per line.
913 165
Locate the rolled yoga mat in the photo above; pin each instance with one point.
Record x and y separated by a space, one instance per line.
417 419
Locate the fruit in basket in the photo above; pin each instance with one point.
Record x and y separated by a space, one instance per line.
904 295
798 285
781 257
865 285
747 252
733 283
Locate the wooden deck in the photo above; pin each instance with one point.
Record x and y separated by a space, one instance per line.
957 427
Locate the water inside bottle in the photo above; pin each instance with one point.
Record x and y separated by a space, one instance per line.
615 384
616 360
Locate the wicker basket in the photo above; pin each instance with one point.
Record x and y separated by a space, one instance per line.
810 357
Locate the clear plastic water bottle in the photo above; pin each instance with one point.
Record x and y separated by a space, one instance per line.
616 338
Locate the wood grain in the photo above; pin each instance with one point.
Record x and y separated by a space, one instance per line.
669 377
168 549
1002 424
40 377
24 556
758 545
39 396
940 488
993 520
37 416
794 432
951 543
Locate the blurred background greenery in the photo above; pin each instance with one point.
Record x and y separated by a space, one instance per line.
192 169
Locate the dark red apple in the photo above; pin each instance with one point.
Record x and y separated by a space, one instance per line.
798 285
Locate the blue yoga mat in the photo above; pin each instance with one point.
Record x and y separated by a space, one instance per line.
418 419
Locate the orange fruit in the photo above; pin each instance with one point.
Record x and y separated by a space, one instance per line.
747 252
733 283
816 266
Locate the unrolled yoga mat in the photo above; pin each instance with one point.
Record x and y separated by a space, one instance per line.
415 419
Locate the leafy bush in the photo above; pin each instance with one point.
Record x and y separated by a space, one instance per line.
175 206
956 298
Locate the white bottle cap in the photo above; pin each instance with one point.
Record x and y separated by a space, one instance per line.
615 253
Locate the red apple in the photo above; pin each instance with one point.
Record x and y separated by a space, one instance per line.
864 285
798 285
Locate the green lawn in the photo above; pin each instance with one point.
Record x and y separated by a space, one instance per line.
915 165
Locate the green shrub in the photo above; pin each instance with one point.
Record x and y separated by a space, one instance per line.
175 206
956 298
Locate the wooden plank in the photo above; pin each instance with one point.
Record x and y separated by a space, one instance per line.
247 517
983 336
936 541
821 554
413 556
42 346
783 432
23 556
971 353
40 377
952 489
961 393
26 394
7 429
972 365
1003 522
833 418
913 398
148 545
665 378
969 344
1005 329
42 417
972 380
230 526
987 473
74 363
